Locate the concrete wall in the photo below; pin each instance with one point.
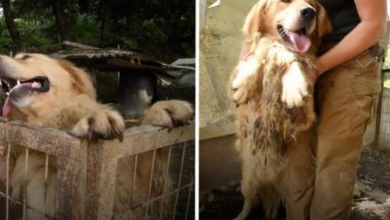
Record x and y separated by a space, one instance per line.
219 163
220 43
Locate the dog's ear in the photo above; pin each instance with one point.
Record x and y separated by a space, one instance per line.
81 80
323 22
254 20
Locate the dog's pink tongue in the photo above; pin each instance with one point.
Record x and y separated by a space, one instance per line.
7 107
301 42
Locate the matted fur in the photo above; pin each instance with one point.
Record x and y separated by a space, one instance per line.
71 105
273 90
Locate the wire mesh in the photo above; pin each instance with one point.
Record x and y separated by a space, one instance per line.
384 131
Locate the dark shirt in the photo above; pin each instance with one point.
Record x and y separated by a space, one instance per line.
343 16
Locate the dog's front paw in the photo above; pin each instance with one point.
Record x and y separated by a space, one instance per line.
239 95
169 114
104 123
242 79
295 87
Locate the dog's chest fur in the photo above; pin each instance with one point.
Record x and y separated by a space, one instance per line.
270 122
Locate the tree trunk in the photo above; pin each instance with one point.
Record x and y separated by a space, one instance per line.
9 20
106 17
62 24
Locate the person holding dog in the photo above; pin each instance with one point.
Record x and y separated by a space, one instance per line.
346 94
346 91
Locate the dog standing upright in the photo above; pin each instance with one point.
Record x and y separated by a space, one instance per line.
273 89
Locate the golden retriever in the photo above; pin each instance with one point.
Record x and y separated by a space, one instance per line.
55 93
273 89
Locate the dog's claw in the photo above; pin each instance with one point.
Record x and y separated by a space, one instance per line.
106 124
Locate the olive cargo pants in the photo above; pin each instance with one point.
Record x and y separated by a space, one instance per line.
323 161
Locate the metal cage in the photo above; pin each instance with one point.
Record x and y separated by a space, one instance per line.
86 171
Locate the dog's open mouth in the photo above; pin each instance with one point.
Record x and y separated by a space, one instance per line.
16 88
298 39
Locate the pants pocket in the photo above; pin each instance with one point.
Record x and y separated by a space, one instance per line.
366 87
361 114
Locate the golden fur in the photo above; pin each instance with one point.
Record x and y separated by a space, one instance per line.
273 89
70 104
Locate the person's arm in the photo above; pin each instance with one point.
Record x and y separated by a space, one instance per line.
369 31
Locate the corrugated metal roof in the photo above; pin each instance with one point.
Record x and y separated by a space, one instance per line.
121 60
106 54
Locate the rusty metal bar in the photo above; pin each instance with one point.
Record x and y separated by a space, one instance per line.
14 201
147 138
86 172
7 183
166 182
180 177
71 181
101 179
103 158
133 183
25 185
51 141
190 185
45 183
150 183
189 198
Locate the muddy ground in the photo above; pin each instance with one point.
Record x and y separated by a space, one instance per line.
372 204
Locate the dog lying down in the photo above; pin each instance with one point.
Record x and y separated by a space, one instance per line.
273 88
55 93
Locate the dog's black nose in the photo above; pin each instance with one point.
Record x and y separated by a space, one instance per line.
308 13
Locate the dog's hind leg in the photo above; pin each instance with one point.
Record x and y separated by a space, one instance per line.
271 200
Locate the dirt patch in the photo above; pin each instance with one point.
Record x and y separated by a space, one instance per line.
373 172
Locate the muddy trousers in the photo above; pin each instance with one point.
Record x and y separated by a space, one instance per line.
323 161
